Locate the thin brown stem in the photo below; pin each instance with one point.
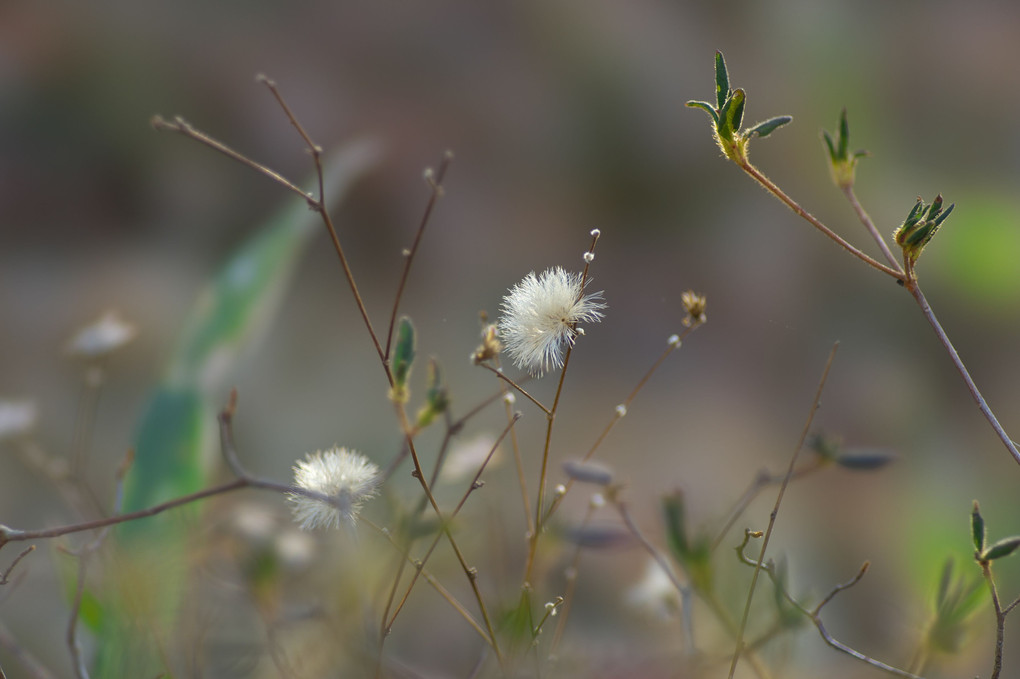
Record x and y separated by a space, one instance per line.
475 484
499 373
182 126
435 182
982 405
775 512
848 191
620 411
772 188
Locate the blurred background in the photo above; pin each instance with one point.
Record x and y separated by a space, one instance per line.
564 116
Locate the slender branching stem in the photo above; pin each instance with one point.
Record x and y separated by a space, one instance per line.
431 580
848 191
982 405
619 413
435 182
469 572
475 484
763 479
775 511
523 392
772 188
663 563
904 274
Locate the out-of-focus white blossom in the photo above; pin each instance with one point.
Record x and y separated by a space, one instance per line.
102 337
540 315
16 418
655 593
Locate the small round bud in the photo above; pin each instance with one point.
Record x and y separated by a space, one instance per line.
674 341
589 257
597 501
560 490
621 410
510 398
595 233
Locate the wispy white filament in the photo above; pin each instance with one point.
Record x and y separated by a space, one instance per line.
540 315
345 476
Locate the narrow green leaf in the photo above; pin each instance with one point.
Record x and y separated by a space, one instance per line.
722 80
403 352
977 528
1002 548
827 138
915 213
942 217
844 135
769 126
705 106
735 110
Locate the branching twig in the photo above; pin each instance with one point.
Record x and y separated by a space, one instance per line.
435 182
775 511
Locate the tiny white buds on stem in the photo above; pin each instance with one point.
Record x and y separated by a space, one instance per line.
595 233
621 410
598 501
589 257
674 341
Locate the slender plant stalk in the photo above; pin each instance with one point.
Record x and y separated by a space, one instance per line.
772 188
435 182
775 512
848 191
905 275
982 405
619 413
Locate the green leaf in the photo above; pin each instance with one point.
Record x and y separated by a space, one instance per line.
844 135
769 126
403 353
1002 548
722 80
705 106
732 109
977 528
833 157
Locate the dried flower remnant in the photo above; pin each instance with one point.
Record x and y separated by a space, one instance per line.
345 476
102 337
540 317
490 347
694 304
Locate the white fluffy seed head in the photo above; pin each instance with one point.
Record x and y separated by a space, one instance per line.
345 476
540 315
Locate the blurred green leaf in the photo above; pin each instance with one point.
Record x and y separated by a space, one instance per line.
403 358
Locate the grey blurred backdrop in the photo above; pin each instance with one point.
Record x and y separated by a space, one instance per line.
564 116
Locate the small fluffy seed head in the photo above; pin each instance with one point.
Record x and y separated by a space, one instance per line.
344 475
540 315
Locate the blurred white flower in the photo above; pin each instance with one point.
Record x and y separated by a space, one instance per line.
345 476
102 337
540 316
467 456
655 593
16 418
